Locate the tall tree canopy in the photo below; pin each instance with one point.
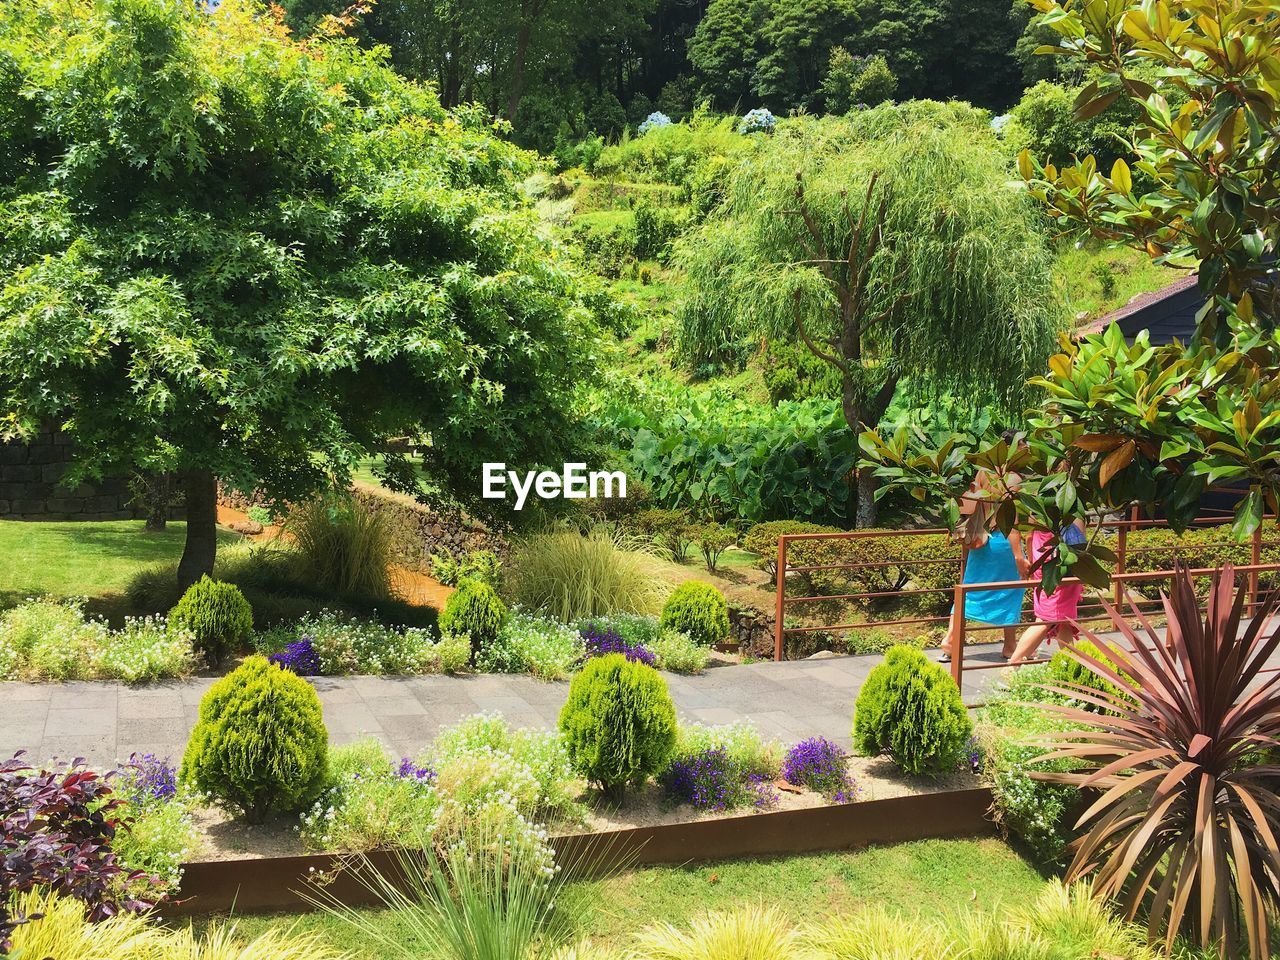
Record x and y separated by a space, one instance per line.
889 244
228 254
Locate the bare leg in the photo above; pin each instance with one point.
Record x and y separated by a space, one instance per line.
1010 642
953 633
1030 642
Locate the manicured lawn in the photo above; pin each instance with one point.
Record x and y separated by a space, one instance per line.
929 877
81 559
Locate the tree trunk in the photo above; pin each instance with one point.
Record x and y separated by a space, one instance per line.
864 413
201 489
517 66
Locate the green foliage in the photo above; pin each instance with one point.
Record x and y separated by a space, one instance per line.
699 610
762 539
344 546
713 540
1044 122
679 653
669 529
1064 669
910 709
619 723
1038 813
483 565
218 617
672 154
655 228
259 742
527 644
475 611
856 81
51 640
572 576
377 275
746 749
721 457
1213 191
929 303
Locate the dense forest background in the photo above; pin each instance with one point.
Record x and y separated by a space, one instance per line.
563 69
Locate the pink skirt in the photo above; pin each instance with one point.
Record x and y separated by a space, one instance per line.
1062 604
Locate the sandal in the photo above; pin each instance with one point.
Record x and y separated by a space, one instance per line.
945 658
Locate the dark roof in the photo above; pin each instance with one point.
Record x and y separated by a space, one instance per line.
1168 313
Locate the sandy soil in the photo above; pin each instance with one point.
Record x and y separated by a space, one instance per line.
226 838
417 588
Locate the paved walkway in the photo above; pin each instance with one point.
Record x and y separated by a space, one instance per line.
105 722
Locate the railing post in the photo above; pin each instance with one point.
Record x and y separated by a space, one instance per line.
1257 559
780 598
1122 547
957 649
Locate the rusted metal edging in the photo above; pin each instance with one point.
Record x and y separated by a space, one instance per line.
279 883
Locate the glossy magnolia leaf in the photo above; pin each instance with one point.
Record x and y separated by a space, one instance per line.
1116 461
1120 177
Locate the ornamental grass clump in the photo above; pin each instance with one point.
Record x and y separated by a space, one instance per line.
910 709
821 766
218 617
259 743
619 723
699 610
345 547
573 576
1184 829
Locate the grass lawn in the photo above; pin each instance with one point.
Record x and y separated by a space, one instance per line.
81 559
929 877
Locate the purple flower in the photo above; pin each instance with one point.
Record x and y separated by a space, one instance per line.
300 657
761 792
150 778
709 780
819 764
409 770
599 642
973 754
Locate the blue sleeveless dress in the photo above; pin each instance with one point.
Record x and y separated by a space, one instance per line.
993 563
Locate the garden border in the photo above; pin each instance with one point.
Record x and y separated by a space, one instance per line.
272 884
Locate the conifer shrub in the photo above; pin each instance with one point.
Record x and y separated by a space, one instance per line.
619 723
910 709
217 615
699 610
259 743
474 610
1065 669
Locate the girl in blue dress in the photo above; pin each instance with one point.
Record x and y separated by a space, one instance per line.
990 559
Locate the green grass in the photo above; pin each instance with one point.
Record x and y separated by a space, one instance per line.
1079 276
929 877
86 559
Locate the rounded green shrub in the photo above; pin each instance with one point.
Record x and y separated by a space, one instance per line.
259 743
699 610
474 610
1066 669
910 708
218 616
619 723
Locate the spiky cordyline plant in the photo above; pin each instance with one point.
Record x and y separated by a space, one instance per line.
1187 822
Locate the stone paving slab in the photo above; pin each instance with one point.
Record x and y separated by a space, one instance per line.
105 722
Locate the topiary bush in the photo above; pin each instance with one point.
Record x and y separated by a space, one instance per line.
699 610
474 610
217 615
762 539
1064 669
259 743
910 708
619 723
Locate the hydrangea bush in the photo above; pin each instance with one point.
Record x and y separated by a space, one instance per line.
759 120
820 765
652 122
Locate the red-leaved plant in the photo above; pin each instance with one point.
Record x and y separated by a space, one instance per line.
1185 825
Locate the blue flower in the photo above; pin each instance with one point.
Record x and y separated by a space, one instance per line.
819 764
300 657
759 120
655 119
599 642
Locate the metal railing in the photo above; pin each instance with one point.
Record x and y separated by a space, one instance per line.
1122 591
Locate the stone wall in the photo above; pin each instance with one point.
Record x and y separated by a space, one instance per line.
752 631
30 487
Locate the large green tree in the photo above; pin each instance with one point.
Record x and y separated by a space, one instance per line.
891 246
230 255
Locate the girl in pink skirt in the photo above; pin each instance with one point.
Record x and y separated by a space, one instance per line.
1055 611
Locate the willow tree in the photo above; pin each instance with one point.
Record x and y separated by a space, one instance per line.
233 256
892 247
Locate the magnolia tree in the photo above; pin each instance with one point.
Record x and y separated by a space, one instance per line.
229 255
1211 163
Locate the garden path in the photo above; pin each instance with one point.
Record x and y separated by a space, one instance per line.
104 722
